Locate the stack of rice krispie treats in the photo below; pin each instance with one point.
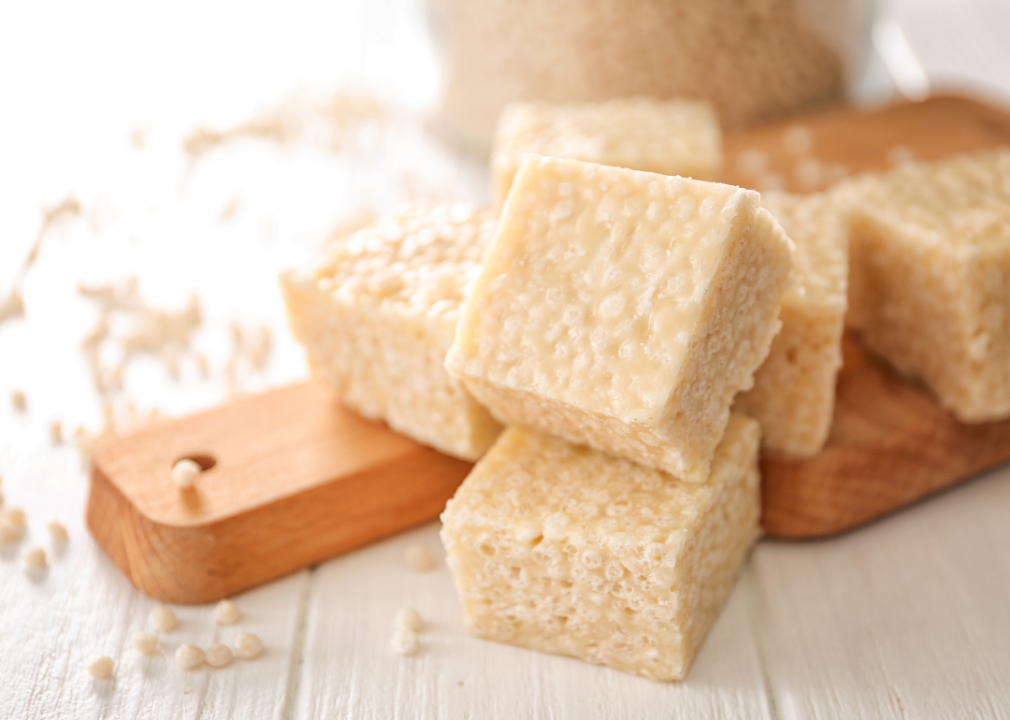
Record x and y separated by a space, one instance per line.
617 343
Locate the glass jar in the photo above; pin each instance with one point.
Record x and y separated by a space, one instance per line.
752 59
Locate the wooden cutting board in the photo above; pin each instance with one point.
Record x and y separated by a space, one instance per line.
891 443
291 478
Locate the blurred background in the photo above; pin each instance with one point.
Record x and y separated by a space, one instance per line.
202 147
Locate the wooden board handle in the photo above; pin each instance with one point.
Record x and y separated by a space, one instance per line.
295 479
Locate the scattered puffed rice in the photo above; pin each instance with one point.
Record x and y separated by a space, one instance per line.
13 517
227 613
9 534
184 473
56 432
408 620
145 643
898 155
100 667
752 162
248 646
112 378
202 366
808 173
419 558
189 656
172 365
161 620
218 655
769 181
834 172
406 642
130 411
33 558
84 441
19 401
798 139
57 532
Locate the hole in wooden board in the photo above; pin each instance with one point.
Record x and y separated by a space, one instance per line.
205 461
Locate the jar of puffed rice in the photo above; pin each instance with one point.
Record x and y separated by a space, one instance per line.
752 59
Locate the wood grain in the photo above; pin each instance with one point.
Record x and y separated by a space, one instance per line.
891 443
297 480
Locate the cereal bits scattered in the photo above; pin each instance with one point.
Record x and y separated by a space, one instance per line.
752 162
161 620
189 656
100 667
408 620
898 155
809 173
419 559
18 401
227 613
218 655
13 517
9 534
406 642
57 533
12 525
33 558
798 139
248 646
185 472
145 643
769 181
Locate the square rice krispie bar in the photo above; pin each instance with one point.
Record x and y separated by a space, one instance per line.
623 310
669 137
564 549
930 276
378 314
794 390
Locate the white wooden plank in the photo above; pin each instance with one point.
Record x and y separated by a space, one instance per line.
906 618
81 606
350 669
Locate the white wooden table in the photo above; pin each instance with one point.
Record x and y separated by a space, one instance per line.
907 618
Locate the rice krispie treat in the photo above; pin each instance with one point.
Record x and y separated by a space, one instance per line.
673 137
564 549
794 390
377 315
930 276
623 310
